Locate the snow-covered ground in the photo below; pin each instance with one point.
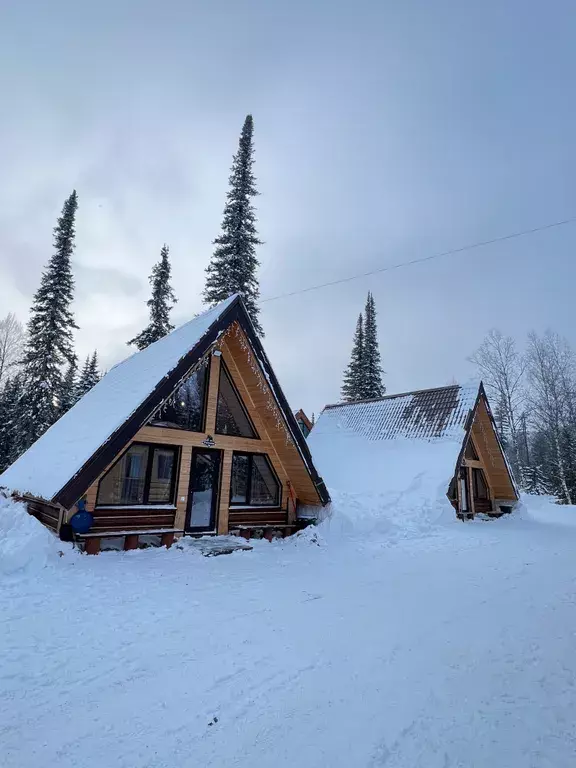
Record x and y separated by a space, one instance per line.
432 645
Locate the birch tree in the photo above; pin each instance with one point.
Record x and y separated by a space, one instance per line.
11 344
552 378
502 370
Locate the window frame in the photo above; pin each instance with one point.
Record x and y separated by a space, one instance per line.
255 436
176 451
160 425
247 504
478 472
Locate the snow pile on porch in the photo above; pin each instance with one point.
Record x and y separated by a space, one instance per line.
60 453
25 544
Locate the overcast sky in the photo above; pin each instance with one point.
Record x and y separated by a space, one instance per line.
384 131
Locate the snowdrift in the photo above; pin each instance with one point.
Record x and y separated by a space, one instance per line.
25 544
397 488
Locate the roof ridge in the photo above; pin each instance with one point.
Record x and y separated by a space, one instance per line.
391 397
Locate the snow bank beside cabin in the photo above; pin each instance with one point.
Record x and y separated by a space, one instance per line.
395 488
25 544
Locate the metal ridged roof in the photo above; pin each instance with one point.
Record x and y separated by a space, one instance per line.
428 414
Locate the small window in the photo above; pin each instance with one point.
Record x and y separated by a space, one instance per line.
145 474
231 415
184 409
470 452
254 482
480 487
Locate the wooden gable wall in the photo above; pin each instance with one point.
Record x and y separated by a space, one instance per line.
490 455
268 421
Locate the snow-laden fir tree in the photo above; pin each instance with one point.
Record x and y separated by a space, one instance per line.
89 376
352 386
372 385
160 304
234 263
68 395
50 332
11 401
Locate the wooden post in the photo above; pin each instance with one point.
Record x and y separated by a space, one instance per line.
268 534
131 541
246 533
471 508
167 540
92 545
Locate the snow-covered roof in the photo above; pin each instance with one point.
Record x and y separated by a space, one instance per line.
401 448
62 451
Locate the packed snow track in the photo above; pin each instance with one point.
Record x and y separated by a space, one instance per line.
453 647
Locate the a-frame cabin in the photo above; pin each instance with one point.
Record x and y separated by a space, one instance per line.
438 441
192 435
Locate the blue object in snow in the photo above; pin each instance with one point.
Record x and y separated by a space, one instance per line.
82 521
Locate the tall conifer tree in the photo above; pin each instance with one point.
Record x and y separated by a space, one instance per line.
50 332
372 385
89 375
11 402
69 388
161 302
234 263
353 386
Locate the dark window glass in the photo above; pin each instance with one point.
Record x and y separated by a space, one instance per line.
240 469
184 409
231 416
253 481
470 452
145 474
263 485
160 491
480 487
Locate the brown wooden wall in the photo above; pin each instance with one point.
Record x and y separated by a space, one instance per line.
490 460
283 455
491 455
51 515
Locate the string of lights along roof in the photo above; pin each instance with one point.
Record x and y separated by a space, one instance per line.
422 259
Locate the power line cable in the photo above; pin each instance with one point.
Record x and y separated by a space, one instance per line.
400 265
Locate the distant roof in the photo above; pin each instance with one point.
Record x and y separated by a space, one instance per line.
53 459
423 414
402 449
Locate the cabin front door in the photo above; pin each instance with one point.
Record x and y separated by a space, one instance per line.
204 491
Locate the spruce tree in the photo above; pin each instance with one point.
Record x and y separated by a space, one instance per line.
161 302
11 403
50 332
68 395
352 387
372 385
234 263
89 376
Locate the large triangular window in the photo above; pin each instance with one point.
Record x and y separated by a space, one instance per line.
184 409
231 415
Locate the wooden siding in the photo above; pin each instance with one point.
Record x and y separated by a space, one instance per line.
272 441
490 455
51 515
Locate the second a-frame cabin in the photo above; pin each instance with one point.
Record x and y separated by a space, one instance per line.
192 435
418 448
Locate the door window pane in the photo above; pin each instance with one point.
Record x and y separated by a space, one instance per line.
231 416
240 468
204 490
185 408
124 482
